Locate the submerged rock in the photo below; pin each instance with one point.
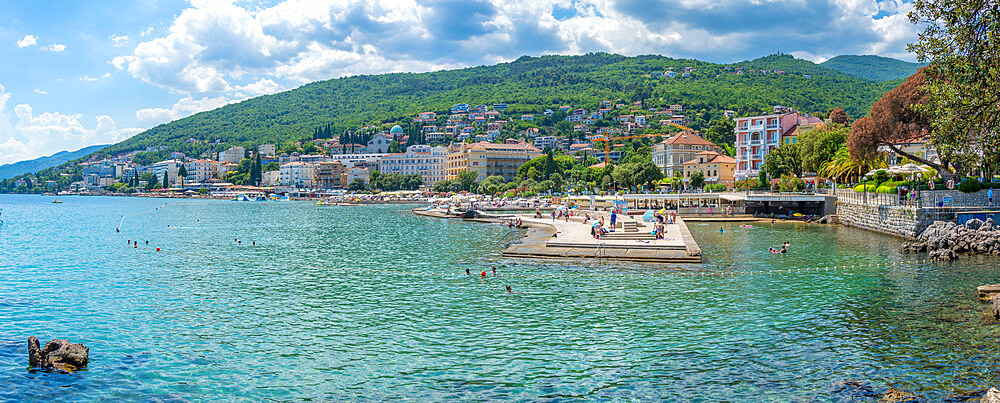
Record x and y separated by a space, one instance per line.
943 255
894 395
58 354
853 390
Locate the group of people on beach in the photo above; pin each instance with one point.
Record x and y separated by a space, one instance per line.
514 222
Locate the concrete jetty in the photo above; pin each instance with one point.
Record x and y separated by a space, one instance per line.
571 239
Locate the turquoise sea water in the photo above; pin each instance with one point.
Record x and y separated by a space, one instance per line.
373 302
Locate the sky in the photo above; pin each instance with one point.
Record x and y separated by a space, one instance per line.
78 73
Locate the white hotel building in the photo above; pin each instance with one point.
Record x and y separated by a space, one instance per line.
426 161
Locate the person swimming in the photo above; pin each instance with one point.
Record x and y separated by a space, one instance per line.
494 270
786 244
468 272
508 289
783 250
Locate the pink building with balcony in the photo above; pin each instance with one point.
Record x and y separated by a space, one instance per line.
757 136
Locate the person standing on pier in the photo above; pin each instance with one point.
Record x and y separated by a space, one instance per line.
614 217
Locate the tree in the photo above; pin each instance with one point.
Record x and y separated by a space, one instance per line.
182 173
838 116
550 165
623 175
357 185
491 185
255 171
467 180
892 120
782 161
647 173
962 85
721 133
697 180
762 179
818 146
272 166
442 186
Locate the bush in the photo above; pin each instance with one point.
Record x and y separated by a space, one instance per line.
865 188
715 187
969 185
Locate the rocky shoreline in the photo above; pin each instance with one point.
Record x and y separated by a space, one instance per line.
944 241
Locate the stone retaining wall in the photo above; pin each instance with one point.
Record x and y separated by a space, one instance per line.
894 220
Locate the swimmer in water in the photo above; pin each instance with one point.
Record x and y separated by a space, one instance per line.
467 272
494 270
508 289
786 244
783 250
254 243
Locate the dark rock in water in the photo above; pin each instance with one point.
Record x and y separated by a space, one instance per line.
470 214
34 353
944 255
853 390
913 247
894 395
58 354
991 396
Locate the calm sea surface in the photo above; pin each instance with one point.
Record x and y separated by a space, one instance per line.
373 302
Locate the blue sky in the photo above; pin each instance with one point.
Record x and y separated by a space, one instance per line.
80 73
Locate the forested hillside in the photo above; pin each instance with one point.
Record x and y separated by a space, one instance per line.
874 68
529 85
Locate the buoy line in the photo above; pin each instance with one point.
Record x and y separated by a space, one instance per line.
460 273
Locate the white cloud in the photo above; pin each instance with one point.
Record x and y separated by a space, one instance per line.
87 78
28 40
119 40
217 47
26 135
54 47
41 92
188 105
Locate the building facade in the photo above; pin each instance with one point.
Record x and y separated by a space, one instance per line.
298 174
671 154
490 159
201 170
426 161
233 154
714 167
757 136
328 174
169 167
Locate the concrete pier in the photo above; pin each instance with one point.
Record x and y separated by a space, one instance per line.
562 239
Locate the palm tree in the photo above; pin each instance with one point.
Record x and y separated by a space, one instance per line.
843 169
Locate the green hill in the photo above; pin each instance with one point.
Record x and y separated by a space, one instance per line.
873 68
38 164
529 85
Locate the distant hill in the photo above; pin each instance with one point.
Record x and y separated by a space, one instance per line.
38 164
873 68
529 85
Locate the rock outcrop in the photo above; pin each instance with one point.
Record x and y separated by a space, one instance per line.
58 354
894 395
991 396
945 240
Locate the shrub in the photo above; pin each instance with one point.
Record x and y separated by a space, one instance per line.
969 185
865 188
715 187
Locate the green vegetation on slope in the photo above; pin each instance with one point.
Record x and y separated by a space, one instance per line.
871 67
40 163
529 85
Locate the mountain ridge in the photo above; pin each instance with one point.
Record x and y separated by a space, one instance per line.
34 165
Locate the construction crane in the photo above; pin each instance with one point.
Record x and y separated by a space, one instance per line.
607 143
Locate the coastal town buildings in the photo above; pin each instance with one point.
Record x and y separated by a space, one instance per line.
714 167
426 161
298 174
490 159
757 136
671 154
170 167
233 154
266 149
201 170
328 174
